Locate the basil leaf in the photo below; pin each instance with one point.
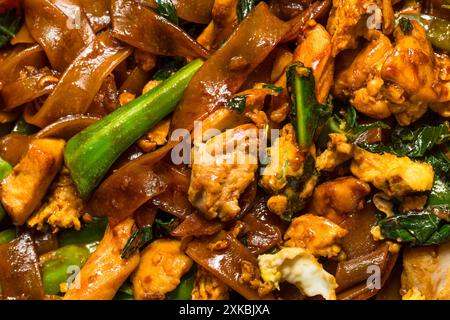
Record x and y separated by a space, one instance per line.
417 228
137 240
237 103
405 25
412 143
9 26
166 9
244 7
273 87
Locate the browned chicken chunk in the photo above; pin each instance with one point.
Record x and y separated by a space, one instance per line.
105 271
220 174
162 265
316 234
23 189
337 197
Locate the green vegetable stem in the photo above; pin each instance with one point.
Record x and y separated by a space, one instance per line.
62 264
90 154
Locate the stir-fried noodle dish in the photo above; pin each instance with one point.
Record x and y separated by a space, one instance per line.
224 149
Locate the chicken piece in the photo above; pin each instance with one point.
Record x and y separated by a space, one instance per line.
208 287
24 188
314 52
63 207
426 272
286 160
224 21
361 82
411 65
157 136
335 198
105 271
338 151
402 80
396 176
349 19
413 294
316 234
300 268
223 168
162 265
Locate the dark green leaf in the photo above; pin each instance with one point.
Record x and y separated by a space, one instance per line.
23 127
412 143
237 103
405 25
137 240
244 7
166 9
9 26
168 68
273 87
440 193
418 228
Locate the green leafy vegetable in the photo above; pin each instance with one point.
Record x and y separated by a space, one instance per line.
306 113
166 9
418 228
405 25
273 87
23 127
440 193
412 143
9 26
237 103
348 126
244 7
137 240
295 185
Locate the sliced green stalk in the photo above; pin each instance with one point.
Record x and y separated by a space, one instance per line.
305 109
63 263
91 153
5 169
7 235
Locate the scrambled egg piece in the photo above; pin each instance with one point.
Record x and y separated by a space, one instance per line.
223 168
396 176
286 160
24 188
63 207
300 268
316 234
426 272
208 287
338 151
162 265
